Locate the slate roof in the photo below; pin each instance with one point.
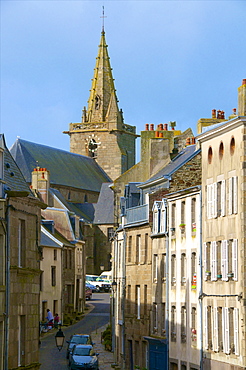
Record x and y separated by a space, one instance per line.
13 177
184 156
104 208
53 240
67 169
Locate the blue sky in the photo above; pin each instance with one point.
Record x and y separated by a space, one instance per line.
171 60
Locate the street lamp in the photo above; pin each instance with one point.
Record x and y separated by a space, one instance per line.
59 337
102 267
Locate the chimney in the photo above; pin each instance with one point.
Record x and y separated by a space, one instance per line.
219 114
187 141
151 127
161 126
213 113
165 127
160 134
193 140
146 127
157 134
41 182
242 99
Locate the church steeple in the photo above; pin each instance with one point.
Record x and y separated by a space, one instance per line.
103 103
103 134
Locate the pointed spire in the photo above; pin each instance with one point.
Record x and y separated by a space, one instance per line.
102 87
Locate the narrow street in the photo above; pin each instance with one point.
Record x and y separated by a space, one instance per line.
50 357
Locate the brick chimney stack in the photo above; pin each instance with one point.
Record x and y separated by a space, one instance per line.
41 182
242 99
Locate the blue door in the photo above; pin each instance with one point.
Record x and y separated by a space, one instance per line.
158 355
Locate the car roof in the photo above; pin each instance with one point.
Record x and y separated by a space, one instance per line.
84 346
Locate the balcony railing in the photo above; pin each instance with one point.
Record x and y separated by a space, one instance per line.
137 214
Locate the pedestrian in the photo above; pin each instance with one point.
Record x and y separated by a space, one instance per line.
50 319
56 320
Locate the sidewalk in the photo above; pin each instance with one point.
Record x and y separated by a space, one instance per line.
105 358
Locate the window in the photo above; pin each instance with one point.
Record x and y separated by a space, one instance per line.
173 215
208 327
53 275
155 317
41 281
183 212
155 267
173 269
128 301
210 155
129 248
216 193
221 191
221 150
173 324
163 218
145 299
138 302
235 259
215 330
183 269
207 266
183 324
55 254
163 317
156 221
193 326
146 242
193 270
110 232
138 249
193 214
163 266
21 243
21 340
232 146
232 201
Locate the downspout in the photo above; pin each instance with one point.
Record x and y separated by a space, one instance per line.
167 285
201 287
7 294
123 297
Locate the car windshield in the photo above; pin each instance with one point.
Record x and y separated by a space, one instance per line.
83 352
91 278
79 340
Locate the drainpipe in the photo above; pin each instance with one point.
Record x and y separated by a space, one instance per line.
167 284
123 297
201 287
7 294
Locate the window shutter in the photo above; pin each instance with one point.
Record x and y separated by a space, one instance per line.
215 327
235 191
235 259
206 268
206 327
224 260
230 197
213 261
236 330
209 201
223 203
215 208
225 324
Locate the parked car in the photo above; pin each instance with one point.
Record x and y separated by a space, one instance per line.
78 339
92 287
100 284
83 357
88 292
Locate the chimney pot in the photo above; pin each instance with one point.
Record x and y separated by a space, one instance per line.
160 134
234 110
165 127
151 127
161 126
193 140
146 127
187 141
244 81
219 114
157 134
213 113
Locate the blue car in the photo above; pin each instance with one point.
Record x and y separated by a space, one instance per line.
83 357
77 339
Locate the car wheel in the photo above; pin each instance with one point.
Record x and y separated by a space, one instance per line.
97 289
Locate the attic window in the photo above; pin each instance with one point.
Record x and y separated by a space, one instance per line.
210 155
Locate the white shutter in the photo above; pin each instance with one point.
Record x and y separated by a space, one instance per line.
230 196
215 330
213 261
235 259
236 330
223 193
215 208
209 197
235 192
206 327
224 260
225 330
206 268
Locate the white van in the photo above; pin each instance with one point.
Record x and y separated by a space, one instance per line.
107 275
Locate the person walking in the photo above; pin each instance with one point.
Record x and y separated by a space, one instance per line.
56 320
49 318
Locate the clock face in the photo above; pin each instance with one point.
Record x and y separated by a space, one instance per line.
92 146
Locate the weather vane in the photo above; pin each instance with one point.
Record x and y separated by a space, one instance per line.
103 16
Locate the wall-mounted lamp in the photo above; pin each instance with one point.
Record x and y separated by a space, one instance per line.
59 337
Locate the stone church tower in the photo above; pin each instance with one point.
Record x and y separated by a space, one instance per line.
102 133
